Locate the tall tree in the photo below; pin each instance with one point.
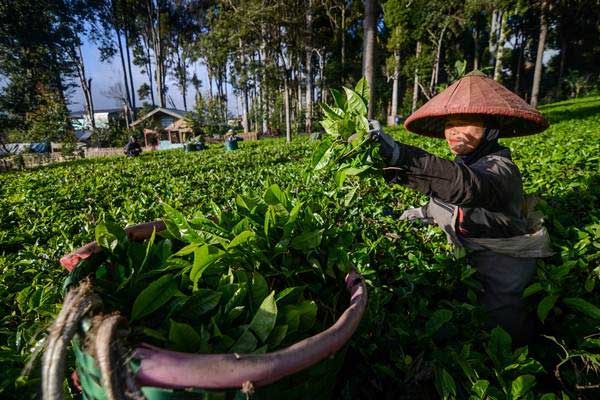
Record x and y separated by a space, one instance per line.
394 18
35 39
416 85
184 30
85 83
368 64
156 16
500 45
537 76
309 71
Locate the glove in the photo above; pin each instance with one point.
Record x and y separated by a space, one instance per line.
388 149
416 214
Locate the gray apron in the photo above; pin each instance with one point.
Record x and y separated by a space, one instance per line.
505 266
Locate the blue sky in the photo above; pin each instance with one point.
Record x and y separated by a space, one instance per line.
108 73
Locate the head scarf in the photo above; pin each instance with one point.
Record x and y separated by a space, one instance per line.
488 145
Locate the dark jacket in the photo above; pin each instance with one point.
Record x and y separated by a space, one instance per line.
488 192
133 149
478 204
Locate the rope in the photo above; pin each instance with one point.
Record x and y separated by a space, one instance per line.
78 302
117 380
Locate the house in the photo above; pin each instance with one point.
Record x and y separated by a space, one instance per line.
162 126
102 117
83 135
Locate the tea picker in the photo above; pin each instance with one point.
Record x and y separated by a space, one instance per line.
477 198
132 148
231 139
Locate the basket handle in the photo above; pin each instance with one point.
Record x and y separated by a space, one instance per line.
134 232
176 370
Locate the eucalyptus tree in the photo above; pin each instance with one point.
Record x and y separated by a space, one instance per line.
308 68
185 28
537 76
395 20
116 19
84 21
368 64
155 22
406 20
214 50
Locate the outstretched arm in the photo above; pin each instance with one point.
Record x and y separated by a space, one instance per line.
487 183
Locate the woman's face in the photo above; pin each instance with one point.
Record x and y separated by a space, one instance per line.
463 134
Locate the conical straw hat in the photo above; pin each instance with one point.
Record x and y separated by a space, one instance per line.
476 94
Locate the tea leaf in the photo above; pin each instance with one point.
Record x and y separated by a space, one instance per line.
545 306
264 320
203 258
154 296
183 337
521 386
583 306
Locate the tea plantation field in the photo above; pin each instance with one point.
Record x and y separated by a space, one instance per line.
423 335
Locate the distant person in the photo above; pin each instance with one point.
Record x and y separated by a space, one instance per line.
133 148
477 198
231 139
231 136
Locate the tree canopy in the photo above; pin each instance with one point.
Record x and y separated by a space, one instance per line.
277 59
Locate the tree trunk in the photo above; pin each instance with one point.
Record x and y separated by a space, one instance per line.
220 95
244 88
493 37
157 45
225 94
86 85
394 110
255 106
299 92
537 75
128 98
150 79
183 81
519 64
288 125
263 100
309 80
322 94
500 47
133 105
258 100
309 94
368 67
416 85
476 49
561 66
435 72
343 58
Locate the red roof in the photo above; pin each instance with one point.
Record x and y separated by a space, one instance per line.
476 94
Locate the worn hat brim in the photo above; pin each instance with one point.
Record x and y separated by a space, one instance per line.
477 95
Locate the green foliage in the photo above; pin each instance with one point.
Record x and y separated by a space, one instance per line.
346 149
207 117
49 121
207 279
423 334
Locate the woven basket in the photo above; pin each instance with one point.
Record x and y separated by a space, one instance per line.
306 369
